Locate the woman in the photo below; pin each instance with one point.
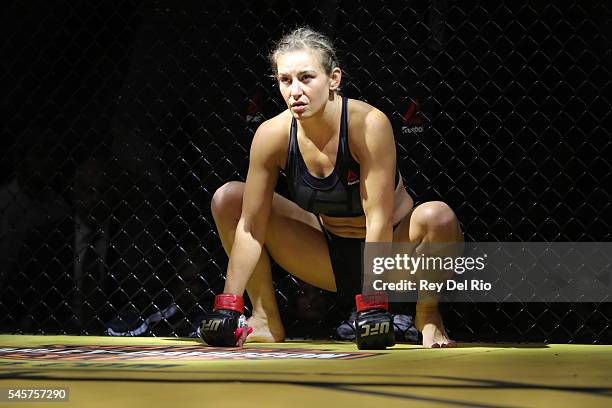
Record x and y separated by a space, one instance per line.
340 160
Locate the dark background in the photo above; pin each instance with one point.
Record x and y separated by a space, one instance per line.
129 115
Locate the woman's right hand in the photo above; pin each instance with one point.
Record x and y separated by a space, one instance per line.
226 326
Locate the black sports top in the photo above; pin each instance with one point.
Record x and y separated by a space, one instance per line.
336 195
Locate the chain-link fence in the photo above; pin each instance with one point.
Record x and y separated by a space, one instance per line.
123 118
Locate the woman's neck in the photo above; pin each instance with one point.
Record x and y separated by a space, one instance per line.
322 127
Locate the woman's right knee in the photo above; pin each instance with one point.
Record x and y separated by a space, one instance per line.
226 203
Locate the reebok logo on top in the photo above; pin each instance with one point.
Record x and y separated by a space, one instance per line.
352 178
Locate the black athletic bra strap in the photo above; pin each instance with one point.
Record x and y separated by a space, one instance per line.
293 131
344 153
344 117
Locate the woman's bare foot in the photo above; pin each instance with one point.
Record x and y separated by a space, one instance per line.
265 331
429 323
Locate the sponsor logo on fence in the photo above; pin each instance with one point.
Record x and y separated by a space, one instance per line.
413 121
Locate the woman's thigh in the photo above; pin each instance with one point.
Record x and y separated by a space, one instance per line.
402 233
294 239
431 221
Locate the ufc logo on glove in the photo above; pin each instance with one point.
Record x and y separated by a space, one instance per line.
378 328
211 325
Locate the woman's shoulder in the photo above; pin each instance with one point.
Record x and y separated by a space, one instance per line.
363 117
275 129
272 137
369 129
359 106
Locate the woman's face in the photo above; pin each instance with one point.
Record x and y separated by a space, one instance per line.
303 83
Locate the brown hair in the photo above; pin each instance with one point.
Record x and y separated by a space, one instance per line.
306 38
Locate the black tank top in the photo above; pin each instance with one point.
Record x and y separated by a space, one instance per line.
336 195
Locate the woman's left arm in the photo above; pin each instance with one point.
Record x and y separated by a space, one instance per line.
377 158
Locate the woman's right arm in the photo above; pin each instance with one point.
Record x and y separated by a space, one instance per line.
264 166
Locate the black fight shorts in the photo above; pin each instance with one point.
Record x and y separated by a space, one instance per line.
346 258
346 255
